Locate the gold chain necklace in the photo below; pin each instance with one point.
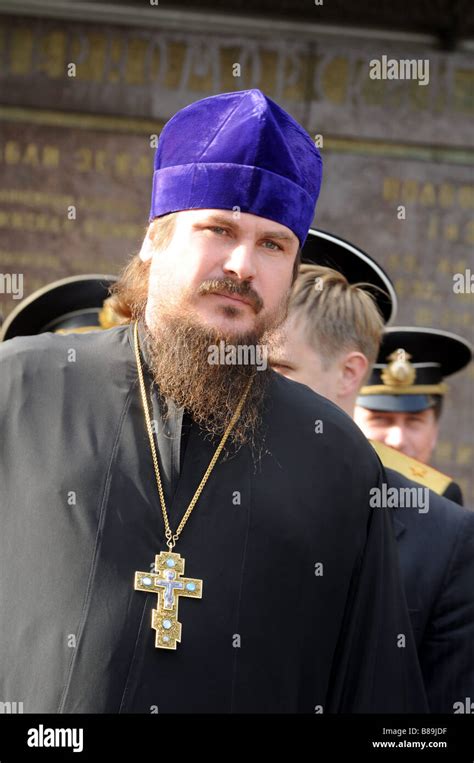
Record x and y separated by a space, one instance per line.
167 581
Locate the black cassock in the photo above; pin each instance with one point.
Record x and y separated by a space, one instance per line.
302 608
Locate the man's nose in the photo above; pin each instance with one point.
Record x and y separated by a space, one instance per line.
394 436
240 262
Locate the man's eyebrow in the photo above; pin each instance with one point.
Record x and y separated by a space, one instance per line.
232 223
278 234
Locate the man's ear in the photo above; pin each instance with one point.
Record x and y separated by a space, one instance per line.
146 251
354 369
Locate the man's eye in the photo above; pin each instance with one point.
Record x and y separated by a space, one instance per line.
277 246
217 229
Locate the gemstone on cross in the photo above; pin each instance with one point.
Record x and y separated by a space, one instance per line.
167 582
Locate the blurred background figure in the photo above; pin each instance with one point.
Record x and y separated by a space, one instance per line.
401 403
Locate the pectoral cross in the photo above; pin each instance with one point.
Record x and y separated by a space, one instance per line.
168 584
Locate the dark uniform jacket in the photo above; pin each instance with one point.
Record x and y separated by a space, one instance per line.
436 549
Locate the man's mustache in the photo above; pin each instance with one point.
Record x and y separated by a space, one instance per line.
230 287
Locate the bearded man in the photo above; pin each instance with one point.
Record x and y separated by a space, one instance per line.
130 453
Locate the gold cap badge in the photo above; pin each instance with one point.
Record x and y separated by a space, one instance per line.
399 372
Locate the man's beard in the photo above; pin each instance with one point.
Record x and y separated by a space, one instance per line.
178 350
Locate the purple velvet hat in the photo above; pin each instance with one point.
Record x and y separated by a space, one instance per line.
238 150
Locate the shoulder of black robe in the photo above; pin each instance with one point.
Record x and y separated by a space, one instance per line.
454 493
300 570
436 549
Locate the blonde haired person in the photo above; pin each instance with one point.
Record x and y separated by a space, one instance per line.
329 342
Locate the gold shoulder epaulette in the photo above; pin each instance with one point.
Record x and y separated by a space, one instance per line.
411 468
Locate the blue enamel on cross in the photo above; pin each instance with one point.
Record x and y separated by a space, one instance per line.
168 584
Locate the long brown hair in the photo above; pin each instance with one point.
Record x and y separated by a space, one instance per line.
129 293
